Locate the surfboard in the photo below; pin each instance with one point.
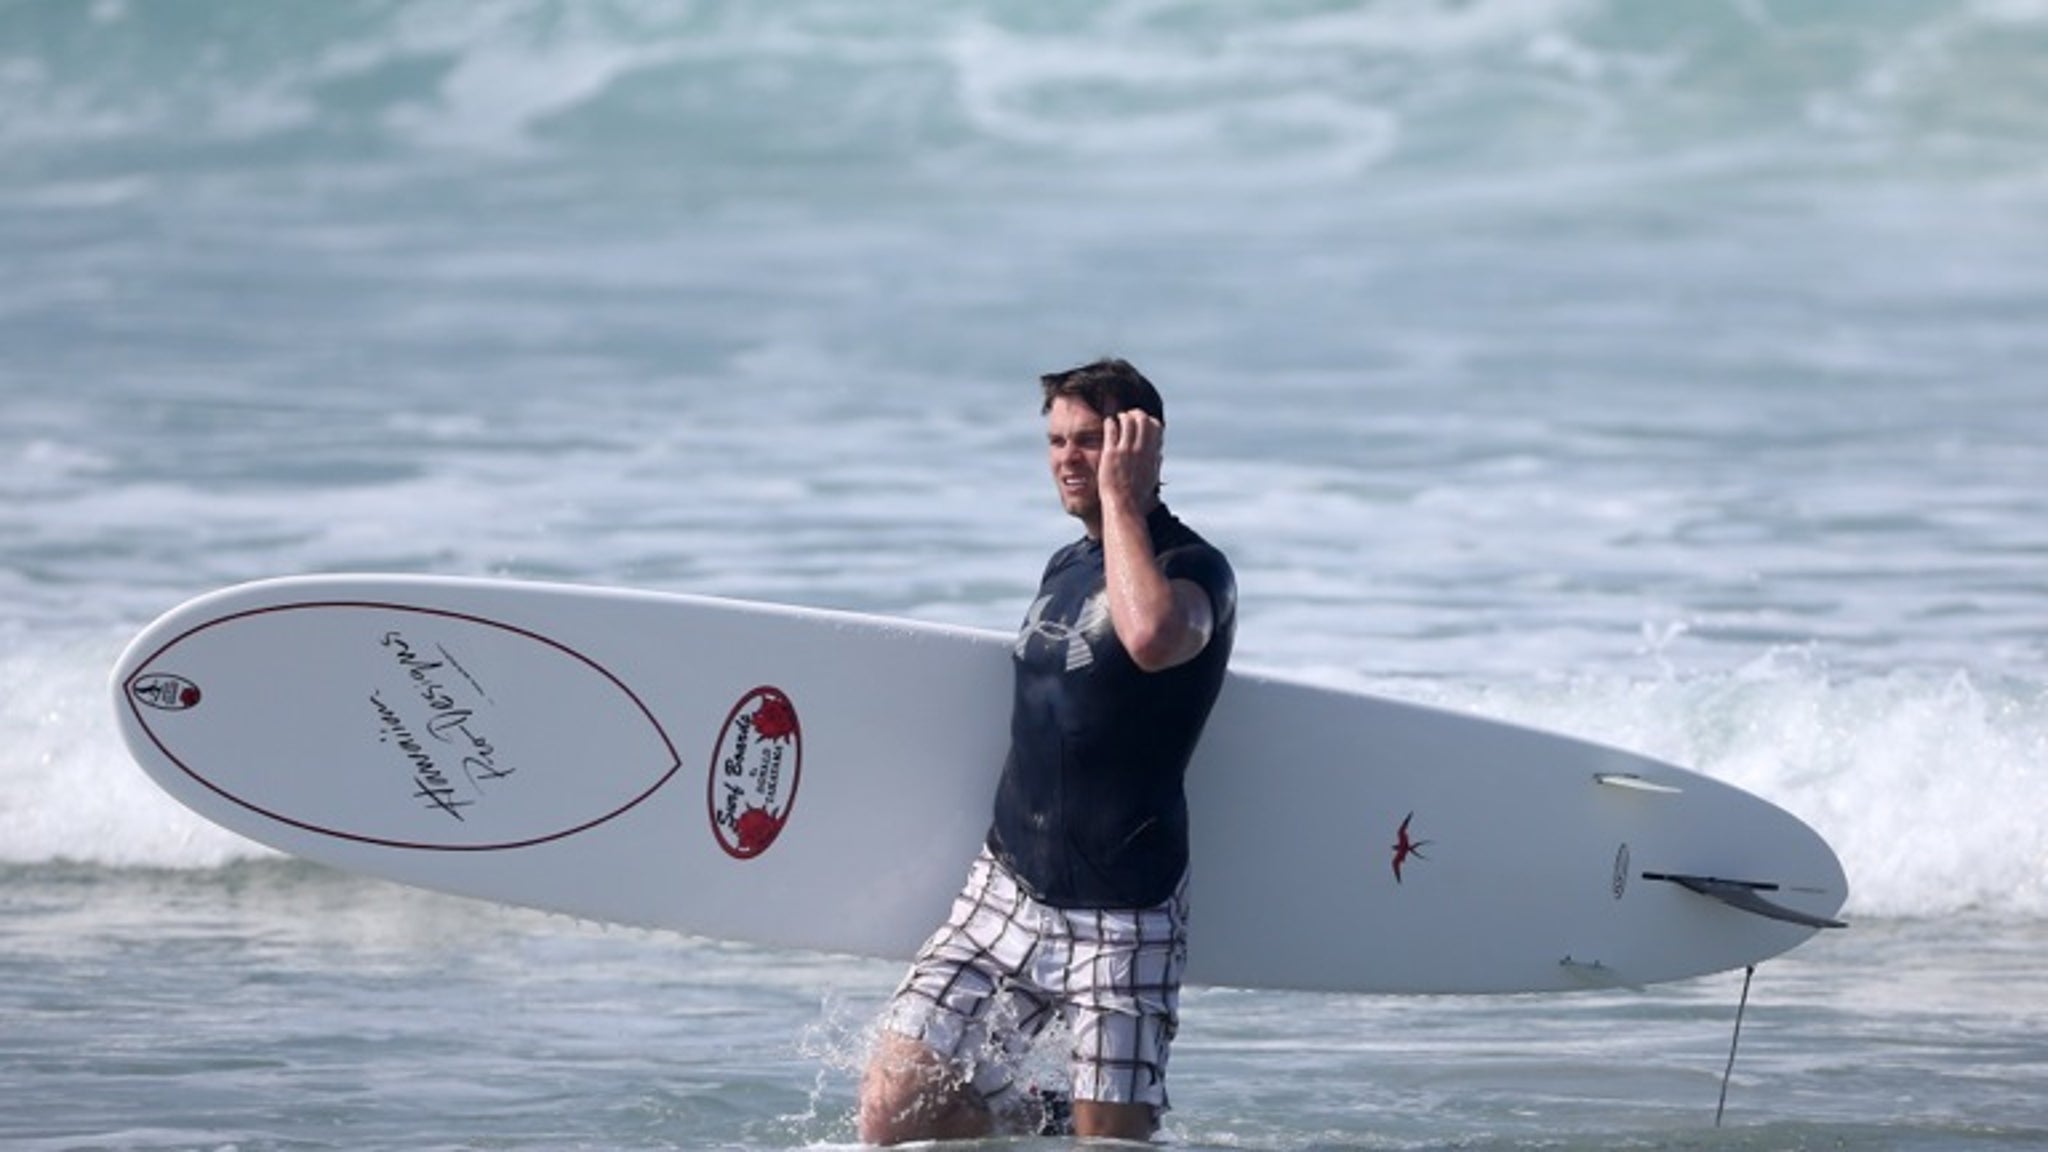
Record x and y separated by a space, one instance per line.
817 779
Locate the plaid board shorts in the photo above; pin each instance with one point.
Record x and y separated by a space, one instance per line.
1004 966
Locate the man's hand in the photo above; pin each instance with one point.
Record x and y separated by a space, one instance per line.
1128 472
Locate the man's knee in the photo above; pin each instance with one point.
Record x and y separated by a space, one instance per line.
910 1093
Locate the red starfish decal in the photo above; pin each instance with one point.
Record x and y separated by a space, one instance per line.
1404 848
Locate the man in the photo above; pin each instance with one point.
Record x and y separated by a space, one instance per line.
1075 907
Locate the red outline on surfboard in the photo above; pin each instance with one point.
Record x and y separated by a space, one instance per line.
143 671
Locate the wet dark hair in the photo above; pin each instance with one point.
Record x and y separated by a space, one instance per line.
1107 386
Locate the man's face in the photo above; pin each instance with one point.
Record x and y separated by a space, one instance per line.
1073 440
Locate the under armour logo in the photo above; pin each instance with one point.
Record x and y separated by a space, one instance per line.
1074 638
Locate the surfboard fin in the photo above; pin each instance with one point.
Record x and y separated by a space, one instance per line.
1594 974
1744 895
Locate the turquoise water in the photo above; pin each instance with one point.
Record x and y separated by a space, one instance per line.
1666 375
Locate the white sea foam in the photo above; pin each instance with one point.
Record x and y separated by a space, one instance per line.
68 791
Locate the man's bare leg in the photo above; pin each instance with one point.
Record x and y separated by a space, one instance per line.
1113 1121
910 1093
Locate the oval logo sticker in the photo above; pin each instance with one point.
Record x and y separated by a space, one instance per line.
754 772
165 692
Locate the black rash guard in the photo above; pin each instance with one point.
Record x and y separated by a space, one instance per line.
1091 812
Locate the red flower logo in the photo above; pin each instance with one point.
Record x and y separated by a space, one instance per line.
755 830
775 719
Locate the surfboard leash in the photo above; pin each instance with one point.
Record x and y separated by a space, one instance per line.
1734 1042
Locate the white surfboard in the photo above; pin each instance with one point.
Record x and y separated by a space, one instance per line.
820 780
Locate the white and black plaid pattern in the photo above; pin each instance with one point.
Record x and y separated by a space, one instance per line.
1004 966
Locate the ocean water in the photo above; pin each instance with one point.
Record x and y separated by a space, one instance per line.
1664 374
